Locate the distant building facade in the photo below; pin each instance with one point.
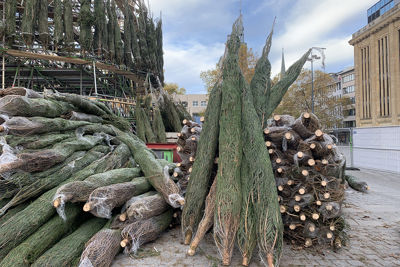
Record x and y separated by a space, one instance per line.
195 104
377 69
377 79
344 86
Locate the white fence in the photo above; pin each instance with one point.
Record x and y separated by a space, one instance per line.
377 148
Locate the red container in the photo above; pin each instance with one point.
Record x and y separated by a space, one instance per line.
165 146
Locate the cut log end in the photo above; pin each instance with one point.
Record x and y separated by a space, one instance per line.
311 162
332 228
319 203
190 170
324 183
304 172
292 226
191 252
124 243
306 115
282 209
318 133
296 208
266 131
327 195
2 128
302 191
329 147
290 182
181 201
315 216
288 136
311 228
179 134
300 154
312 146
302 217
122 217
202 119
329 235
188 237
185 121
270 260
270 151
324 162
87 207
57 203
268 143
279 170
308 243
191 159
179 149
245 261
277 118
280 188
179 164
176 174
297 198
278 161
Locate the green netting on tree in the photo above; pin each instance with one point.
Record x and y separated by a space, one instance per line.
58 34
10 29
202 168
111 30
28 21
86 21
43 22
170 115
43 239
68 24
27 221
269 227
151 168
47 182
100 40
229 195
70 247
160 53
127 36
118 44
140 127
158 126
37 141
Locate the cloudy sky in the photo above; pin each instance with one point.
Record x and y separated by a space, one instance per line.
195 32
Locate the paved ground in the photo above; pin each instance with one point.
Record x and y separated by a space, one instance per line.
374 236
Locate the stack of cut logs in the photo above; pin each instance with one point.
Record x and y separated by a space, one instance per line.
67 154
187 147
309 174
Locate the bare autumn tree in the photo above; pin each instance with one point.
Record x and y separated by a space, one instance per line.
247 63
328 107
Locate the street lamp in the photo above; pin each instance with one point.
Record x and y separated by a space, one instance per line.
312 58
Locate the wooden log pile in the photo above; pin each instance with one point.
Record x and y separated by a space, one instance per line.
187 147
65 154
309 175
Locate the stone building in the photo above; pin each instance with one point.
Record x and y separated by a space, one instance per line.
195 104
377 66
377 79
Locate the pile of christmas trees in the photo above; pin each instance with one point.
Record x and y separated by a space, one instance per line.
137 46
66 154
241 202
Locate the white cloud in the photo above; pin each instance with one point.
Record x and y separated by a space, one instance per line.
315 23
183 64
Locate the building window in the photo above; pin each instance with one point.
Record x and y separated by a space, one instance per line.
349 89
348 78
352 100
384 74
351 112
203 103
365 84
195 103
